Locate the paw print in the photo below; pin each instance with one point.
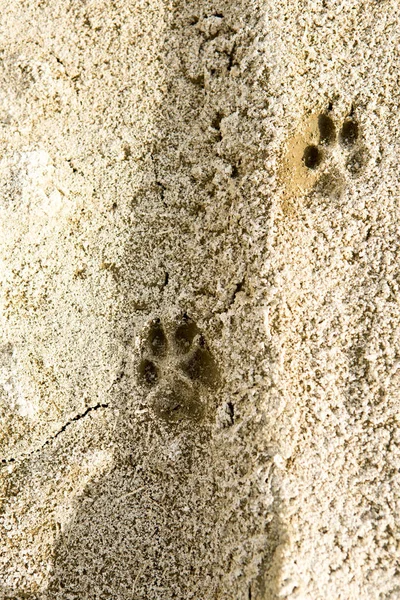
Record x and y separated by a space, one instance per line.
355 155
177 369
318 157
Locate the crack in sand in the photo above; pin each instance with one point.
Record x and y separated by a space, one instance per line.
6 461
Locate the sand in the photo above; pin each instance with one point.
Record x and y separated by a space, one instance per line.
199 300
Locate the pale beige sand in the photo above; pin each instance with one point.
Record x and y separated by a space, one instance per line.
199 300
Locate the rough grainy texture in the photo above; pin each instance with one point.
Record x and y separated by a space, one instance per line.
200 301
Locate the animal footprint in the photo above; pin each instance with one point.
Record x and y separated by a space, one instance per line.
178 369
319 157
355 155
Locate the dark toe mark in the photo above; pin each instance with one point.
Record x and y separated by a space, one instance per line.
327 132
148 373
185 334
349 133
312 157
157 339
201 367
356 162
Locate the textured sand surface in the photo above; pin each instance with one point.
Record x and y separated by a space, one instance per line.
199 300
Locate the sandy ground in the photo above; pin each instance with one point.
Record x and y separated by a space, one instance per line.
199 300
